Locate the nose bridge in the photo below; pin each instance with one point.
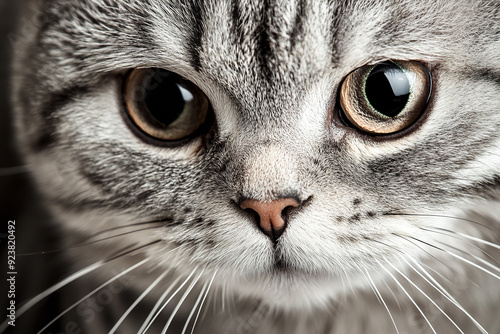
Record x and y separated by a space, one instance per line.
270 173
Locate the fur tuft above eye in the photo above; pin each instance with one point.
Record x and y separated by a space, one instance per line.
387 97
164 105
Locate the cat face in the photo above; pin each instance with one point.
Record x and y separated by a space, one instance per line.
272 74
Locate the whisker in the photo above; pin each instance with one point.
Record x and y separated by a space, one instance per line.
482 241
94 291
343 287
203 301
98 233
52 289
195 306
137 301
183 298
163 222
436 284
133 250
426 296
475 257
438 216
158 303
392 293
479 240
459 258
459 237
223 295
372 283
444 292
168 301
374 290
210 299
87 243
35 300
445 251
341 266
408 295
445 279
426 252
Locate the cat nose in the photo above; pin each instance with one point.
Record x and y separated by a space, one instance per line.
271 215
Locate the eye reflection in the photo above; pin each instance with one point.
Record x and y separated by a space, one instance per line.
386 97
164 105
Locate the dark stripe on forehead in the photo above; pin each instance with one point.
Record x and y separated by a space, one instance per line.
237 21
264 52
337 13
298 25
398 21
55 102
197 14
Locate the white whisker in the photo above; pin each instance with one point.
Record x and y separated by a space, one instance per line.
471 263
203 301
341 266
168 301
408 295
138 300
479 240
483 261
195 306
460 237
445 294
94 291
444 264
436 284
372 283
184 296
486 263
374 290
392 293
223 297
426 296
158 303
33 301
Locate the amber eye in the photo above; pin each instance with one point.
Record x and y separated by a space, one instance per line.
386 97
164 105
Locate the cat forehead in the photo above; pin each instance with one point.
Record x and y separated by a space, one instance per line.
254 37
265 56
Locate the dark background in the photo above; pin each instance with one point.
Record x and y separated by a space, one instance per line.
18 196
13 182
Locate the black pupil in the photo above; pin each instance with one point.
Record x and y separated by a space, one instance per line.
387 89
163 96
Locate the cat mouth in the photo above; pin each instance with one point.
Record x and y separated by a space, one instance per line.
280 265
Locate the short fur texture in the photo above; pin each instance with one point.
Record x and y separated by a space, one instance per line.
397 230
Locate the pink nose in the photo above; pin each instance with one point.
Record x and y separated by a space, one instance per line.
271 214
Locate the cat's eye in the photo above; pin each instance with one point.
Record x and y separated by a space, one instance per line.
164 105
387 97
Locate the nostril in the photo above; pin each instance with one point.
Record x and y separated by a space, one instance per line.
253 213
271 217
286 212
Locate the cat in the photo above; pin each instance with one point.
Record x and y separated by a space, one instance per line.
261 166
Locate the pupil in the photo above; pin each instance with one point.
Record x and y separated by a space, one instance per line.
387 89
164 97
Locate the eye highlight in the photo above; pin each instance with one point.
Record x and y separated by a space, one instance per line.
164 105
387 97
